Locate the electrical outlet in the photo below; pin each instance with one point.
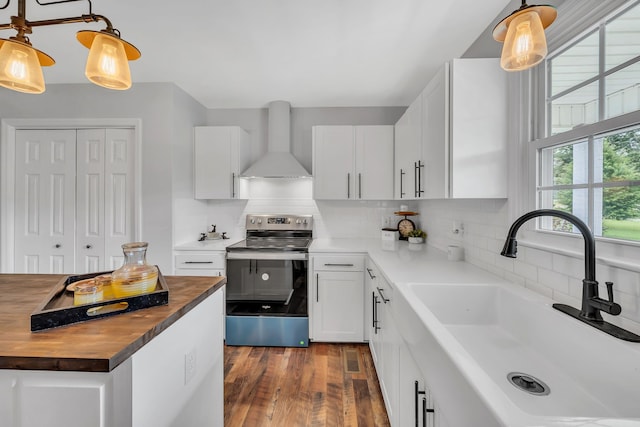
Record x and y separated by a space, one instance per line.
189 366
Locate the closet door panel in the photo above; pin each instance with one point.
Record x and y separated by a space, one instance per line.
45 201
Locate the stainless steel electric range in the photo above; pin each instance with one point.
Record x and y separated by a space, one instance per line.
266 292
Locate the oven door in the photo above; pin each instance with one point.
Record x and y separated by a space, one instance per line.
266 283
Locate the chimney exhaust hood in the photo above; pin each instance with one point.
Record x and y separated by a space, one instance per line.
278 162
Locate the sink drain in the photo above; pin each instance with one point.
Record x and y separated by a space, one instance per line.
528 383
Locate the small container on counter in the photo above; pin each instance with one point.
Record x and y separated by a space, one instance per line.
88 292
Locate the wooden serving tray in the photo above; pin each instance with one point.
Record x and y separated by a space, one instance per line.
58 309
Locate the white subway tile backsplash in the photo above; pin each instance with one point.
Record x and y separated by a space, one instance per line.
537 287
556 281
537 257
568 265
525 270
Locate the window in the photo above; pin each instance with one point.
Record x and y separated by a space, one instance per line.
589 162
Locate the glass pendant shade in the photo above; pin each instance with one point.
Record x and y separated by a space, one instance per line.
525 44
107 63
20 68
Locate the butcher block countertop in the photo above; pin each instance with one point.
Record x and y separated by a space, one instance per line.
92 346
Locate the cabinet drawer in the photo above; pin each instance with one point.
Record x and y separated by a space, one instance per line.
338 263
200 261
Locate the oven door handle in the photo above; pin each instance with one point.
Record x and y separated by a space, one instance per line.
256 255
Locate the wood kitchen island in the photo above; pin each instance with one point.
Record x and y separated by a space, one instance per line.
159 366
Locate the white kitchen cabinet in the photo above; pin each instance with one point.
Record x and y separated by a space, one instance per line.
464 130
408 159
383 337
337 306
221 154
200 263
416 405
353 162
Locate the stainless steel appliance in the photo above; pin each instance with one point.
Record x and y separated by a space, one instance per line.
267 288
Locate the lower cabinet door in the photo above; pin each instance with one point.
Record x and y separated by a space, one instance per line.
338 309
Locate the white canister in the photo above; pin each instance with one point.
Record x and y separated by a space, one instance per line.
455 253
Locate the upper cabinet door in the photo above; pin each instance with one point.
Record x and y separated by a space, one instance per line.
435 135
333 163
478 129
221 154
408 154
374 162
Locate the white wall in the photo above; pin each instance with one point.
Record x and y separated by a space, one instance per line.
557 274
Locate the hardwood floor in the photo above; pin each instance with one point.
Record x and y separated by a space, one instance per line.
323 385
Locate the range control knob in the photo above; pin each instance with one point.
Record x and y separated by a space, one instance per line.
259 221
253 221
298 221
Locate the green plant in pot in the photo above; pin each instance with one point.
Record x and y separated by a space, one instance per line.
417 236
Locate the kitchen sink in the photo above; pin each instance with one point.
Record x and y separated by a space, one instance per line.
485 332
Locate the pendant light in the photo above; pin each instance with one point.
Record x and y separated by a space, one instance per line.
522 33
21 66
107 63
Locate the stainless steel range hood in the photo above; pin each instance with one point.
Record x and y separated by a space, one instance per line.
278 162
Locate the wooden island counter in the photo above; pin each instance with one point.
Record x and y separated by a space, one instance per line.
159 366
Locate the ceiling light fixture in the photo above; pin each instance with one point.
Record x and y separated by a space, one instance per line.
522 33
21 64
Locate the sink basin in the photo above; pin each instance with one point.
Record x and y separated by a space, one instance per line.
488 331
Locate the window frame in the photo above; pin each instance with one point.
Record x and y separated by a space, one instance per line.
581 22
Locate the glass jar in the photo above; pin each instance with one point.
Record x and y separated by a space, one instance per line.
135 277
87 292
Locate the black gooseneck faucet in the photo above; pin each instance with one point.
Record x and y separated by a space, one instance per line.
592 304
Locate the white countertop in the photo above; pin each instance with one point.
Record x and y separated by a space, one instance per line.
400 261
206 245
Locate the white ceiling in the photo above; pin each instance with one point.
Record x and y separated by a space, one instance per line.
246 53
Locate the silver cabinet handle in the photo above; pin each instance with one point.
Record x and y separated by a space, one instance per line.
402 193
317 287
360 186
338 265
233 185
198 262
348 186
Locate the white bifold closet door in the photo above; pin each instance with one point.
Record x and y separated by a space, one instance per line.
74 199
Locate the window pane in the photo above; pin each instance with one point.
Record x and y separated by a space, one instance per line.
574 66
617 157
622 38
574 109
570 201
565 165
620 213
623 91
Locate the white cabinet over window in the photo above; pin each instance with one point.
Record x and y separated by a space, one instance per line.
353 162
452 140
221 154
464 136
